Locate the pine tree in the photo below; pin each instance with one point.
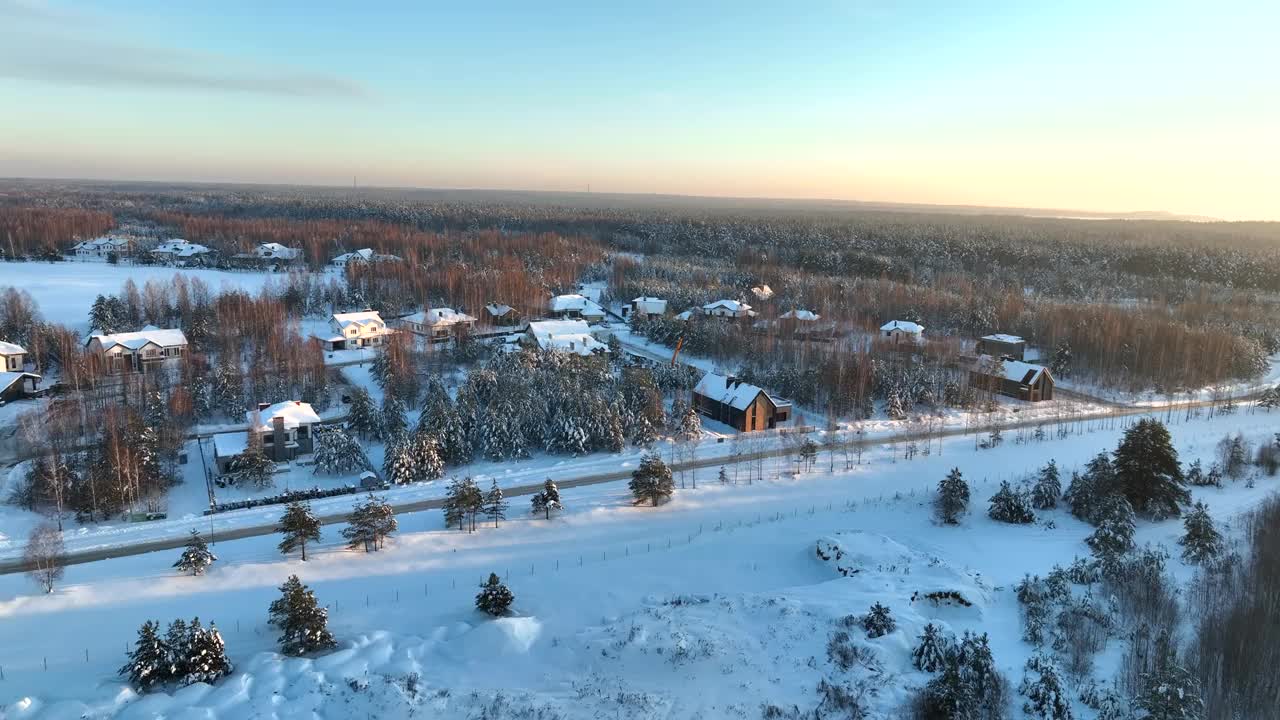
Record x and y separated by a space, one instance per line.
1047 488
723 476
426 450
197 557
400 462
360 530
303 624
1046 696
205 657
494 597
1202 542
149 662
878 622
228 387
931 652
336 452
495 507
1171 693
953 498
690 427
454 514
808 453
299 526
383 518
392 419
652 481
176 638
252 468
1010 506
1061 364
363 419
1114 534
1147 471
547 500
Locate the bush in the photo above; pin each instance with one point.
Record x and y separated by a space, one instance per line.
1010 506
878 622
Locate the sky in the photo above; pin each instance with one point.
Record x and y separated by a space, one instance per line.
1089 105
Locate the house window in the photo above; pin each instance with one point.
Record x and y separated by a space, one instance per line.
268 439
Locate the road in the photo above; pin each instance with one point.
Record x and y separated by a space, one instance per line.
18 565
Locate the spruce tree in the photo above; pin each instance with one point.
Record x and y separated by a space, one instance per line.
299 526
197 557
547 500
494 597
1043 687
149 662
428 458
1115 527
652 481
252 468
495 507
392 419
303 623
953 498
400 463
363 419
1047 488
878 622
1171 693
205 656
176 638
1010 506
1202 542
931 652
336 452
690 427
382 517
1148 473
361 530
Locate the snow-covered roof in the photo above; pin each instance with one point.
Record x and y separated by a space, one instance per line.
497 309
686 315
904 325
764 292
361 318
650 305
565 336
230 444
1002 338
7 379
573 301
95 243
1015 370
729 391
135 340
8 348
294 412
180 248
438 316
277 250
807 315
730 305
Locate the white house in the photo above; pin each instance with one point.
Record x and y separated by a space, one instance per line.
645 307
101 248
800 316
571 336
728 309
137 351
284 428
437 324
179 251
902 331
363 255
576 306
356 330
276 251
12 357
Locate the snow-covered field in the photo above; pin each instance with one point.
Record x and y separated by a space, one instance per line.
711 606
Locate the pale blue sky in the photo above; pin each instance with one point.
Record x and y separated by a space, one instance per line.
1090 105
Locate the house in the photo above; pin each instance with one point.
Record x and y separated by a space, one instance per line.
102 248
1000 345
180 252
1013 378
437 324
902 331
356 330
12 357
285 430
800 316
137 351
571 336
276 251
644 307
688 314
737 404
728 309
18 385
363 255
576 306
501 315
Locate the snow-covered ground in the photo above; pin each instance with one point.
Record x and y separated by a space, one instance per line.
1150 398
64 291
710 606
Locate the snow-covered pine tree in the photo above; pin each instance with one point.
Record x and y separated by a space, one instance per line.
547 500
336 452
303 623
1061 364
503 436
176 638
1010 506
392 419
878 622
931 652
1202 542
227 389
1047 488
1081 497
363 419
149 661
471 501
690 427
426 449
953 498
252 468
495 507
299 526
360 530
1043 687
205 656
1147 471
652 481
1170 693
197 557
400 462
1115 527
494 597
382 517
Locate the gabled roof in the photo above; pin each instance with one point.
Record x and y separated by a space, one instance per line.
1015 370
7 379
729 391
805 315
904 325
362 318
135 340
438 316
363 254
730 305
497 309
686 315
8 348
1002 338
565 336
294 412
180 247
573 301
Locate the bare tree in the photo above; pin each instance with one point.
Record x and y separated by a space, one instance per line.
45 555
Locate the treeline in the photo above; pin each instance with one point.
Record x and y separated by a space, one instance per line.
47 231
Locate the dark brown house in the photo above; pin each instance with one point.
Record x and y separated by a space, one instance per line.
1012 378
737 404
1003 346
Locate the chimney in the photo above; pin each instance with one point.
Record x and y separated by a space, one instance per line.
277 436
